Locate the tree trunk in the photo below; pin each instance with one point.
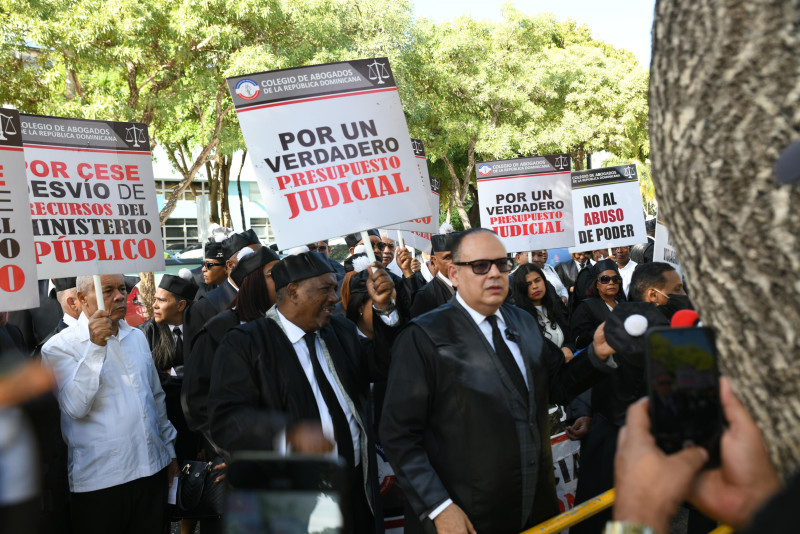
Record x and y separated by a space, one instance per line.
723 104
213 191
147 291
239 187
225 163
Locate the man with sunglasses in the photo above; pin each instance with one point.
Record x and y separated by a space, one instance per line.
212 270
465 419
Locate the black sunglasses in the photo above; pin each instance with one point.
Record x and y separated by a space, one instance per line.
606 279
484 266
208 265
381 245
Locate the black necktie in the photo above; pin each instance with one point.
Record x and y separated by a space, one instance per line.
178 346
341 429
504 353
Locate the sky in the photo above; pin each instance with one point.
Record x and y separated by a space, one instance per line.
621 23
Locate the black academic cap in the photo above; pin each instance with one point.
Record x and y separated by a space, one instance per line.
353 239
62 284
604 265
131 281
626 326
443 242
299 267
178 286
237 242
358 282
252 262
214 251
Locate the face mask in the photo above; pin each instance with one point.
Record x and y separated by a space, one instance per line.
675 302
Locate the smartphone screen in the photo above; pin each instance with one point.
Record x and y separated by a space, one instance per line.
683 384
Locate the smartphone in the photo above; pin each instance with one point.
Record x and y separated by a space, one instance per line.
683 386
273 494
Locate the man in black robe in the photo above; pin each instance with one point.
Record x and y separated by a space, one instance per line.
439 290
212 272
217 300
299 369
465 420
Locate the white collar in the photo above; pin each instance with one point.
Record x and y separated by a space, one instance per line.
69 320
477 316
292 331
444 279
232 284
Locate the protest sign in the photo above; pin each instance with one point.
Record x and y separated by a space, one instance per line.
566 457
663 250
92 197
607 208
330 148
527 201
18 287
429 224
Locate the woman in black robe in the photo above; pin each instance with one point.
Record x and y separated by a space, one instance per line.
603 296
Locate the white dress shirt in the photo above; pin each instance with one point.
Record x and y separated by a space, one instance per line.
113 415
296 337
626 273
554 279
69 320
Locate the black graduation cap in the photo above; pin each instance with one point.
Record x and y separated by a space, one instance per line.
214 251
62 284
627 324
443 242
251 262
353 239
358 282
299 267
180 287
237 242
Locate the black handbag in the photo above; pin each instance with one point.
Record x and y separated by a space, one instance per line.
197 496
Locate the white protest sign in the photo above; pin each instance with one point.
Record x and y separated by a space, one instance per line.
330 149
18 287
663 250
92 197
607 208
429 224
527 201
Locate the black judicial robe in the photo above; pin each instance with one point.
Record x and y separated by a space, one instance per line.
258 386
36 324
454 426
197 371
204 309
431 296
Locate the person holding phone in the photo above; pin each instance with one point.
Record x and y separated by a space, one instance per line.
744 492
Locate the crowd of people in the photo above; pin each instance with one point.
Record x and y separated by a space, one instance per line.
447 366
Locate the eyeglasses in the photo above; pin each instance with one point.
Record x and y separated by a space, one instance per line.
208 265
381 245
605 279
484 266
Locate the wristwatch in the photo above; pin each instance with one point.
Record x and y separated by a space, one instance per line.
387 311
627 527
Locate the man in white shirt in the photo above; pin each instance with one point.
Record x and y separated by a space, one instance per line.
113 417
622 255
464 421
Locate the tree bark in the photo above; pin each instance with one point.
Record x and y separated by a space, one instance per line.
724 102
239 187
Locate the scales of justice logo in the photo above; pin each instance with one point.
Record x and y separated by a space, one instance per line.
417 146
629 172
6 127
378 71
561 162
135 134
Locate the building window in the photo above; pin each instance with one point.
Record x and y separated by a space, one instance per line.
179 233
192 191
262 229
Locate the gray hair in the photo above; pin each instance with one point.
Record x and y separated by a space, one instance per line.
61 296
85 284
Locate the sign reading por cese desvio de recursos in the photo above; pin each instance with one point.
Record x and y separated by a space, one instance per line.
528 201
608 208
92 196
18 287
330 148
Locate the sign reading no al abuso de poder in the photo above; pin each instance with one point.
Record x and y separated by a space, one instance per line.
330 148
92 197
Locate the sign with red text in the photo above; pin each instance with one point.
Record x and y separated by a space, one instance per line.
92 197
330 148
430 224
607 208
663 249
18 287
527 201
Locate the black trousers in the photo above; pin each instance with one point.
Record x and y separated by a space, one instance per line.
596 473
136 507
